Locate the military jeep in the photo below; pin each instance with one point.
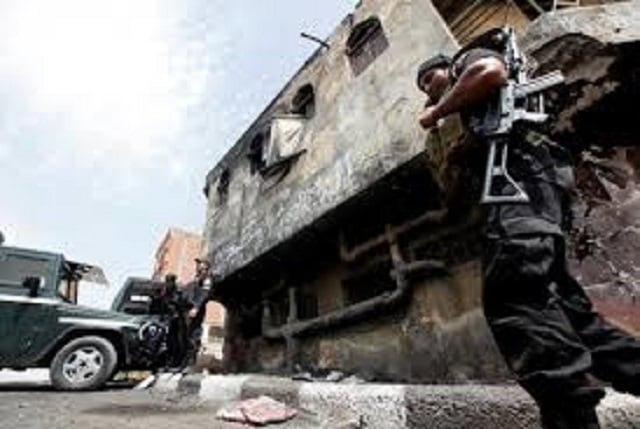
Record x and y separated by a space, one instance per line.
41 326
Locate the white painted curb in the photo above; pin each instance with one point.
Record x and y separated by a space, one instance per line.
224 388
393 406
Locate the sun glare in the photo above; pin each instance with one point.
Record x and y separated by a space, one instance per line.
104 65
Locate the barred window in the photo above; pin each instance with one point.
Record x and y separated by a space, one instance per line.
366 42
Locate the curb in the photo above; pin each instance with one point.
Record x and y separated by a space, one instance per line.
391 406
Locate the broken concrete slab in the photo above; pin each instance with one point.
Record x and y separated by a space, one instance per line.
259 411
613 23
596 48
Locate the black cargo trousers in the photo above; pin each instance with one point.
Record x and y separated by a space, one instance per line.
546 328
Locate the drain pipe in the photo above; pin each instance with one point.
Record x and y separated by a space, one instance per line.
363 309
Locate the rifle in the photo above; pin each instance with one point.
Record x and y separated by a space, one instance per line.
521 99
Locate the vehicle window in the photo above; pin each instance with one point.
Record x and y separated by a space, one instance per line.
14 268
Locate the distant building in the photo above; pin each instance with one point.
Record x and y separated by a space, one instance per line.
176 254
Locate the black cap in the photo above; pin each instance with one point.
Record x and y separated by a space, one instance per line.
437 61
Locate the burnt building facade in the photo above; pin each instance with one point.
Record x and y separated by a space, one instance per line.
326 221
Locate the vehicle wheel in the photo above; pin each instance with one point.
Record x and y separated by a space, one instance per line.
85 363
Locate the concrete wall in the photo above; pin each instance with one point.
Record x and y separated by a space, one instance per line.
364 126
439 336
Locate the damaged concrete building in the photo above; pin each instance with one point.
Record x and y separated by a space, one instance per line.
326 220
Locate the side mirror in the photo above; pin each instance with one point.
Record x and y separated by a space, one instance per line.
33 284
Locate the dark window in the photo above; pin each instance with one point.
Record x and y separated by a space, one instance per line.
307 306
368 281
223 185
256 153
303 102
365 43
279 308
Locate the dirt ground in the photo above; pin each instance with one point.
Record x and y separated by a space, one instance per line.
118 408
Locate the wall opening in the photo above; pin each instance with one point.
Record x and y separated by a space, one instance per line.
256 153
279 307
223 185
365 43
304 103
307 305
368 280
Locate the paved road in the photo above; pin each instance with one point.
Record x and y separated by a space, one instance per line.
27 401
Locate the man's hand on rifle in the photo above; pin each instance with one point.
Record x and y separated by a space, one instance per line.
429 117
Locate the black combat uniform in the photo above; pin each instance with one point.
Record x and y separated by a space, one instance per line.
541 318
196 293
169 304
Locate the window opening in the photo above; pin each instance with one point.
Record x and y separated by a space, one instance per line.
307 305
368 281
303 102
366 42
223 185
256 153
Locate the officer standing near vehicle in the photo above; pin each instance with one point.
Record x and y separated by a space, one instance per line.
196 293
542 320
172 306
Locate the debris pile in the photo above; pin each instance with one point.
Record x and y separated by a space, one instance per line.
257 411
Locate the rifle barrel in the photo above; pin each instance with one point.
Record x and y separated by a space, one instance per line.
539 84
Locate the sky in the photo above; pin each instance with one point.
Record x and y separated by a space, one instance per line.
113 111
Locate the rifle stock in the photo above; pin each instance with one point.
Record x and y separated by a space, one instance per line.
513 97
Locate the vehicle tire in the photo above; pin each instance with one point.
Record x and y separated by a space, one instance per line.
85 363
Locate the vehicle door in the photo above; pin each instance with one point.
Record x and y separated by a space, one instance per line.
26 321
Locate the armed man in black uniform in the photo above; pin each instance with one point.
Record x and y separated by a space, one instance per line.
168 304
542 320
196 294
